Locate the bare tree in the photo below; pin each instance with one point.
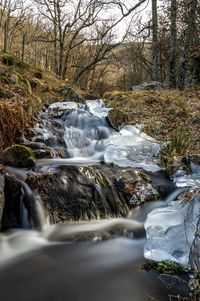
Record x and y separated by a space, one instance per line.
155 41
173 42
185 60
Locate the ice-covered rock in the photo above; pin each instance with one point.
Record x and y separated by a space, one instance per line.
132 147
182 179
63 105
171 230
97 108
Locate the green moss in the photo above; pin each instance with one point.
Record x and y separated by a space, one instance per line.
167 267
101 183
8 59
18 156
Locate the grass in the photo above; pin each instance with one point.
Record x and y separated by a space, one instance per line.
172 108
175 149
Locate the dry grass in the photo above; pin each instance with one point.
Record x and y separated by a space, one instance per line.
173 108
27 97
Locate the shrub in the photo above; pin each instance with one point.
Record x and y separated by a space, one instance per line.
8 59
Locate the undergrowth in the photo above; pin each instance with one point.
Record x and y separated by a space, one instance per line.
171 152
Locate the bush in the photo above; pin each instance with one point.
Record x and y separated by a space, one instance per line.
8 59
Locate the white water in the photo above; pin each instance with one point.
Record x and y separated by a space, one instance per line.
88 137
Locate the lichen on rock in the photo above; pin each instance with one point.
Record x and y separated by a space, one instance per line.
18 156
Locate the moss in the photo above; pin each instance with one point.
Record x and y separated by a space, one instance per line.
18 156
8 59
4 93
101 183
167 267
117 118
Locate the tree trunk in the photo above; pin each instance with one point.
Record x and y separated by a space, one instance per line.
65 66
189 34
173 37
155 41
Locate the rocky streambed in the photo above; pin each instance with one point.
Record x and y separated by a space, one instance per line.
92 183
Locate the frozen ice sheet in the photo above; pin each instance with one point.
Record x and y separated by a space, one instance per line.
171 230
132 147
97 108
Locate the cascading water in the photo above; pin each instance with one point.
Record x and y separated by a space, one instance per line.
80 135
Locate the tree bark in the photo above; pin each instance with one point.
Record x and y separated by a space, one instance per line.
185 60
155 41
173 40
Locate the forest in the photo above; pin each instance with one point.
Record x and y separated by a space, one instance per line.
89 42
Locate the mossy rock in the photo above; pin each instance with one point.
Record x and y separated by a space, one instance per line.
117 118
18 156
8 59
166 267
71 94
5 93
32 106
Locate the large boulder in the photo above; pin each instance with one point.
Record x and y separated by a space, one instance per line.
18 156
117 118
71 94
71 193
153 85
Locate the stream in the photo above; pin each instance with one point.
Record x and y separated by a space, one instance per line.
97 258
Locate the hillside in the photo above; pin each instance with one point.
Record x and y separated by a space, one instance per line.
24 90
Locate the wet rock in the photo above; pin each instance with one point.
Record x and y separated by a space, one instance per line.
85 192
18 156
71 94
2 197
153 85
191 160
11 212
43 153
